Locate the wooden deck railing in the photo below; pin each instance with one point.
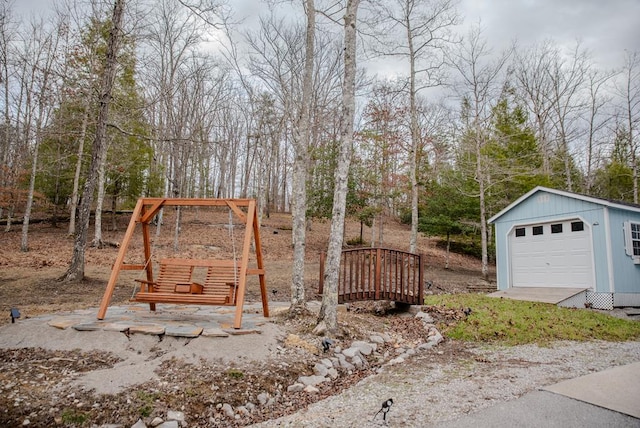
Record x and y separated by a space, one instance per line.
378 274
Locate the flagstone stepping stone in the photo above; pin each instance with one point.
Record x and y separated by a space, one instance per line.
88 326
183 330
147 329
63 323
214 332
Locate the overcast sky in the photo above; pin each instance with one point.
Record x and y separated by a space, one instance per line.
605 27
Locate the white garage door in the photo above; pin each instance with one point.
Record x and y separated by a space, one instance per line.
551 255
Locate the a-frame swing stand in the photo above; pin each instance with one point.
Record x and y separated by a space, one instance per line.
226 280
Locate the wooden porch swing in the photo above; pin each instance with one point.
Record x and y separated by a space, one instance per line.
225 280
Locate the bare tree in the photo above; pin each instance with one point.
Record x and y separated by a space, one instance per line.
532 70
301 139
328 317
8 152
596 121
40 59
567 80
425 25
478 87
629 90
75 272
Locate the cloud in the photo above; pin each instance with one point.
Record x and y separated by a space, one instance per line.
605 28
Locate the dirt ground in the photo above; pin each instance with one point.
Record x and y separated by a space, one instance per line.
29 281
36 380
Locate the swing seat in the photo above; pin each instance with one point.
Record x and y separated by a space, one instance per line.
175 283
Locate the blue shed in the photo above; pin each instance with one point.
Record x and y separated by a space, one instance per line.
552 241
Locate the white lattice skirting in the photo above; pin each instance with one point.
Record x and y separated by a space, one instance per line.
600 300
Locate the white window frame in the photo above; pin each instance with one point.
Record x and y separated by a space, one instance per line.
631 235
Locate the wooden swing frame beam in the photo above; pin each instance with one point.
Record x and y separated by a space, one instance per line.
145 211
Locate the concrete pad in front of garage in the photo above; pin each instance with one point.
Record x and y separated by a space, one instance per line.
616 389
552 295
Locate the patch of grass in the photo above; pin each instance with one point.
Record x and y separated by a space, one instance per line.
145 411
514 322
73 417
235 374
148 399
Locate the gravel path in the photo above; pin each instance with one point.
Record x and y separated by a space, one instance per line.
432 387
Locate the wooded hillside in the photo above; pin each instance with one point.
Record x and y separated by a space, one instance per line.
203 106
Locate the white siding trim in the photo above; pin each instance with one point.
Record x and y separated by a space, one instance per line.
607 236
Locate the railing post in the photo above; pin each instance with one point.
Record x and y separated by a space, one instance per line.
421 280
378 279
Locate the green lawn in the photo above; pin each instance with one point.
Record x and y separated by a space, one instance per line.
514 322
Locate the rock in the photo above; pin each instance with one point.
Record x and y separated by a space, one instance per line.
364 347
311 380
327 363
332 373
296 387
435 339
169 424
425 346
311 389
344 363
173 415
250 406
375 338
156 421
139 424
359 362
320 370
424 317
351 352
26 422
243 410
228 410
263 398
397 360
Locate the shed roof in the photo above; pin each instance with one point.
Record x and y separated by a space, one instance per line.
604 202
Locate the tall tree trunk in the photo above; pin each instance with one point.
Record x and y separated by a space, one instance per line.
47 69
75 272
24 242
328 317
97 229
481 191
73 209
299 191
415 144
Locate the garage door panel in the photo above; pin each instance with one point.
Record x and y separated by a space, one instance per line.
551 259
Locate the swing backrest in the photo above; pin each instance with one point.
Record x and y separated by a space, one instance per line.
172 272
222 279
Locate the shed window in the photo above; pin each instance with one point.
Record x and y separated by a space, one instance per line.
635 238
556 228
520 231
537 230
577 226
632 239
